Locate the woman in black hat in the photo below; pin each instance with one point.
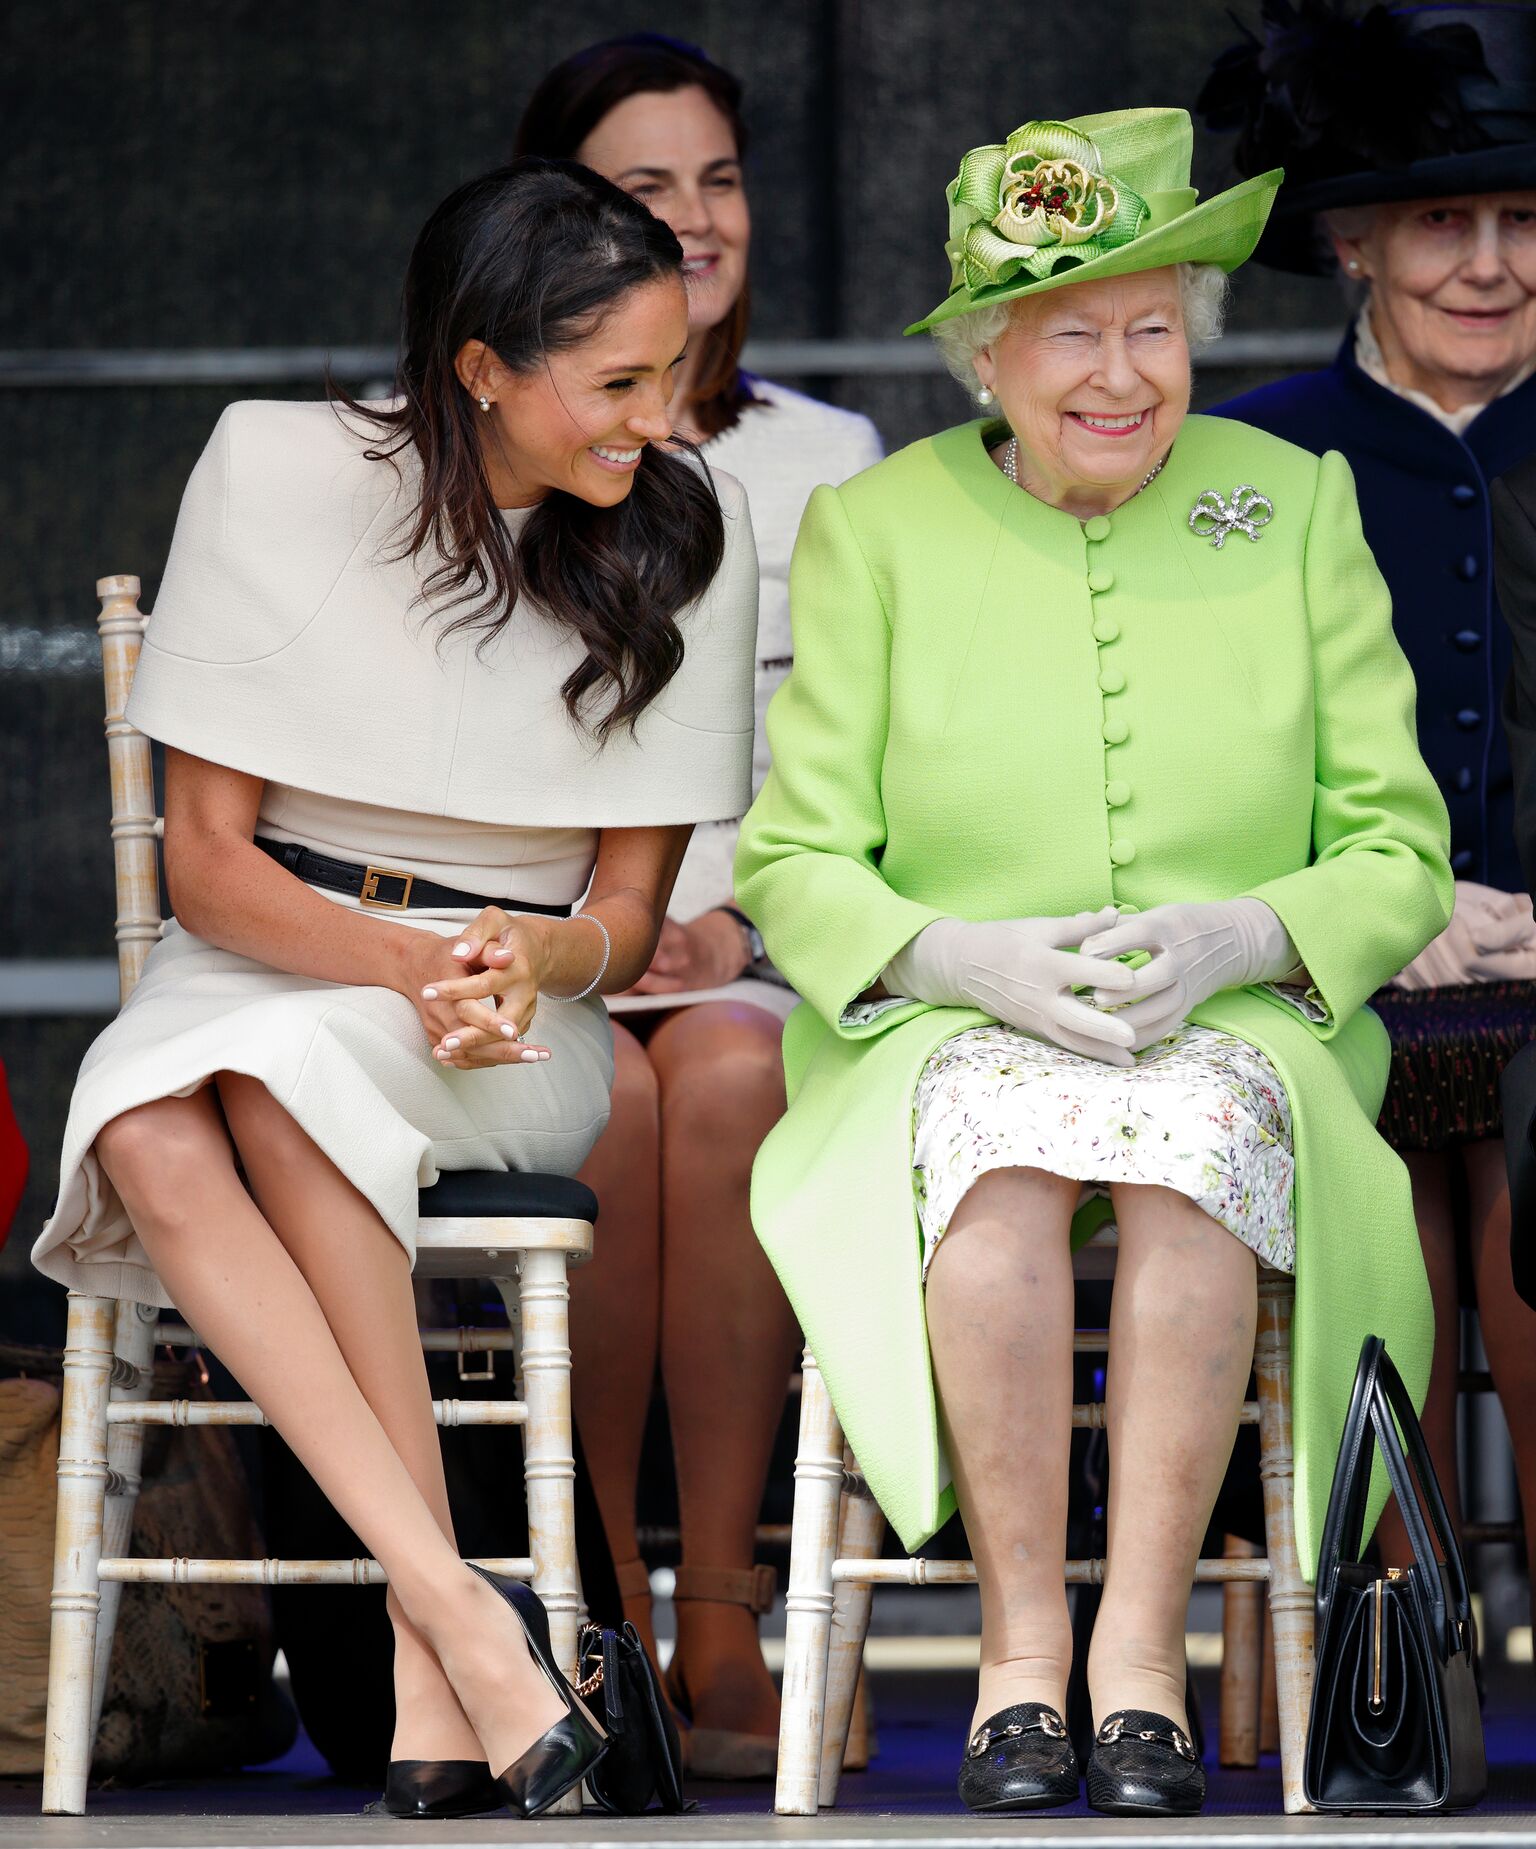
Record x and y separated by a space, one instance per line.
1408 134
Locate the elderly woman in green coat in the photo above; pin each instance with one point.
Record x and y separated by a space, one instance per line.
1095 815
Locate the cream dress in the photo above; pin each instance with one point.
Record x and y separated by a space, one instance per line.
287 642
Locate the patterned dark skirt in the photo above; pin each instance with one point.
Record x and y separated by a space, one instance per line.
1449 1047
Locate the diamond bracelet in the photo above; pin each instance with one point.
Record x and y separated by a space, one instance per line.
602 968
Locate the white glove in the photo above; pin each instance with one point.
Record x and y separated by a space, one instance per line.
1021 971
1491 938
1196 950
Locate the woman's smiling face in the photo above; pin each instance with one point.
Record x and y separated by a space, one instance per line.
676 153
580 421
1453 290
1094 380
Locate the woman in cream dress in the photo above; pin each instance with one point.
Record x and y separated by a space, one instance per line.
464 657
698 1070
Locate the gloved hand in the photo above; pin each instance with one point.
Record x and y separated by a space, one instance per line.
1491 938
1196 950
1020 970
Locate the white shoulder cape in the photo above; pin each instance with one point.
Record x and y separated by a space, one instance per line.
286 644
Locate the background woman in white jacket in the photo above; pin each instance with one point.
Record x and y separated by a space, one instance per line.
698 1077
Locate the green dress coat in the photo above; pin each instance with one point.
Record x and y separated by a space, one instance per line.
999 711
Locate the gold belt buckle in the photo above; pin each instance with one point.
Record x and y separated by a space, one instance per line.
370 892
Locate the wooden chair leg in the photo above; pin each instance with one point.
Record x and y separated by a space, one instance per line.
1269 1693
1290 1598
82 1491
1242 1631
133 1374
863 1733
549 1466
861 1530
808 1604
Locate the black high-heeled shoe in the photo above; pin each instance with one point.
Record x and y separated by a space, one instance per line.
427 1788
567 1752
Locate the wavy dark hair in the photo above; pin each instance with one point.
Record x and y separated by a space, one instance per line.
570 102
533 259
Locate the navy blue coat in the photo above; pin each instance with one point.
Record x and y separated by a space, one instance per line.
1424 504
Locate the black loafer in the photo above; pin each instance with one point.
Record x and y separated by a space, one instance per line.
1021 1759
438 1788
1142 1765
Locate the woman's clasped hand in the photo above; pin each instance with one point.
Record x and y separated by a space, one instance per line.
1194 951
479 1012
1025 970
1491 938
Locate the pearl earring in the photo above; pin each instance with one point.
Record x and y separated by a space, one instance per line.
1353 266
485 403
984 396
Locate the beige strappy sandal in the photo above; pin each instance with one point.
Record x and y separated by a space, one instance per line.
718 1752
634 1578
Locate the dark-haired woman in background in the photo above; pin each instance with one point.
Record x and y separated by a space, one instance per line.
699 1079
495 637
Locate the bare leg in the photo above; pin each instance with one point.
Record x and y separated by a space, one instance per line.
616 1304
1508 1321
1431 1174
1180 1351
728 1335
1000 1312
360 1277
229 1273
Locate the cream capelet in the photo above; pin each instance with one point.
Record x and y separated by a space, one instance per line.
287 643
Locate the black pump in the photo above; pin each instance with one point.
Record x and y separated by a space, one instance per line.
564 1755
428 1788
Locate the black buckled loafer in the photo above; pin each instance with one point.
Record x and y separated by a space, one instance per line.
1143 1765
1020 1759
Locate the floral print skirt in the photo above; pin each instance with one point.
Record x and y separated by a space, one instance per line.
1201 1111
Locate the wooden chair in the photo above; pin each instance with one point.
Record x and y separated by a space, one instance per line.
518 1230
838 1531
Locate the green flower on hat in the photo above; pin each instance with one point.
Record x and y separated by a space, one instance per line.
1039 198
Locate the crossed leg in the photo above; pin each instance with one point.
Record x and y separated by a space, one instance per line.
236 1279
360 1277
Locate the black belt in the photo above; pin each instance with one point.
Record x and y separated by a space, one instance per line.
387 888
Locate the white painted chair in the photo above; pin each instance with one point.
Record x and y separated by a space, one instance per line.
520 1231
839 1529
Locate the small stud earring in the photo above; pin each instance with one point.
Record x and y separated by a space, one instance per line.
485 403
1353 266
984 396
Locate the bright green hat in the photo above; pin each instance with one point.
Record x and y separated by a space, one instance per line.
1062 202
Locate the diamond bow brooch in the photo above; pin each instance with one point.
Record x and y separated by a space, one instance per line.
1217 520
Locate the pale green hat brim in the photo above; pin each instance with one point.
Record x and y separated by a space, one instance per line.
1222 230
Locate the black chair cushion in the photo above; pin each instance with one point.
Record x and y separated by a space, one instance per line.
492 1194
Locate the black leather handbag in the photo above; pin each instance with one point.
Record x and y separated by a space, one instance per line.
1395 1719
644 1759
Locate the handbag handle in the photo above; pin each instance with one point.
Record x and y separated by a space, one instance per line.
1407 1459
1378 1395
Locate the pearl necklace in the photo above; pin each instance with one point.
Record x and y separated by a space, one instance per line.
1011 467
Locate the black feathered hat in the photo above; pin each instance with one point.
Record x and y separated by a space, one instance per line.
1365 106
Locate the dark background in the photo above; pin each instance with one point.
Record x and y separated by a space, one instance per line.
228 175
